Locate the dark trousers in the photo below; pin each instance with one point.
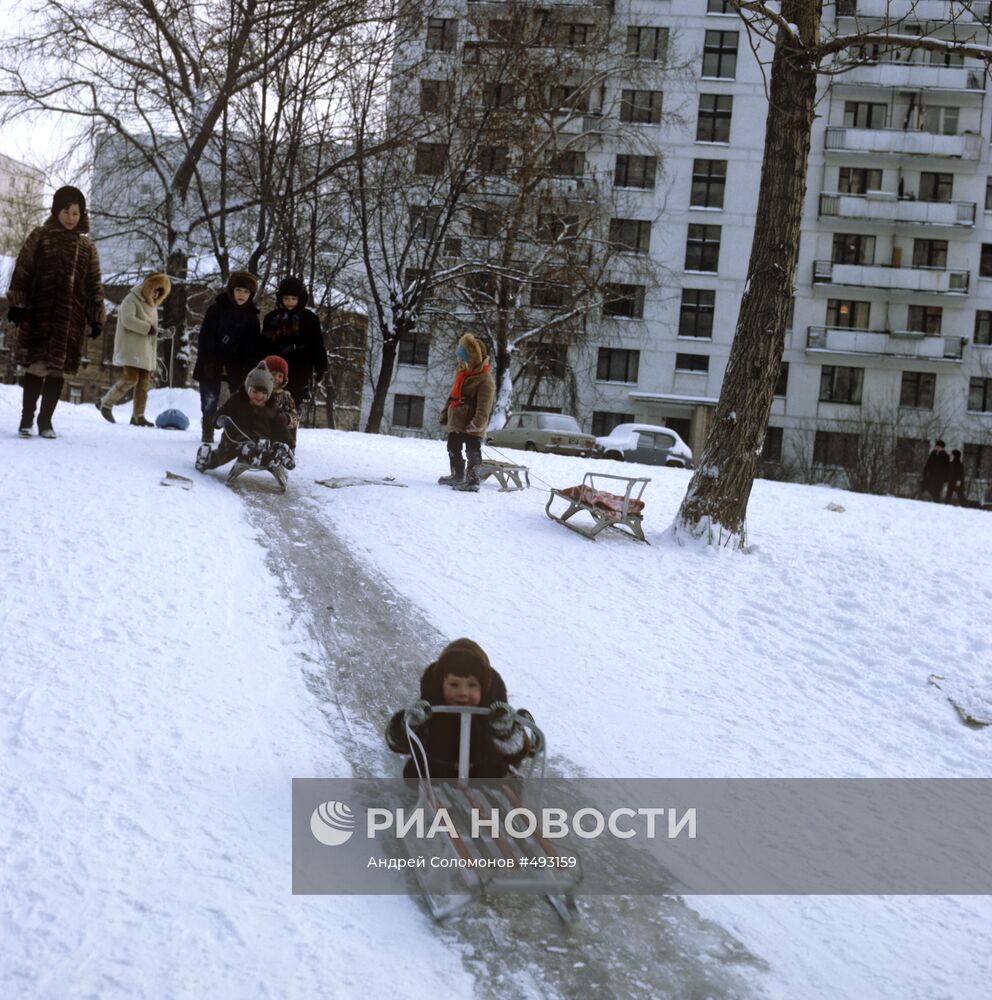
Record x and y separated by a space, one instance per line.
953 488
209 396
473 448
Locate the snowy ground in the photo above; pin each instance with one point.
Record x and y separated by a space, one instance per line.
153 695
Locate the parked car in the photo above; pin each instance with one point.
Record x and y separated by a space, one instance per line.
538 431
646 444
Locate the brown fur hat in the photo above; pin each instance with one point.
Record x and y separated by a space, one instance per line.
242 279
464 658
155 289
474 351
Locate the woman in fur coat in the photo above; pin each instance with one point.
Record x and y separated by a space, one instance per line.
136 347
55 298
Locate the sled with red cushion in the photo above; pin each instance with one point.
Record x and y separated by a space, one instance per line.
607 509
491 863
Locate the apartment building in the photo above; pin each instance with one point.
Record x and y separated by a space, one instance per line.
892 319
21 203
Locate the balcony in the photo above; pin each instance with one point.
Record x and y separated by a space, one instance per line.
884 206
966 146
914 76
976 12
888 343
927 280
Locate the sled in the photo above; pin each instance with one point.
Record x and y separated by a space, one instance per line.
240 467
507 475
532 864
607 510
973 707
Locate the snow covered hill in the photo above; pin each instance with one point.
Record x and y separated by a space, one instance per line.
154 697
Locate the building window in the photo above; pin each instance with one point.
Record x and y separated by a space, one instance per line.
988 195
696 313
424 221
713 123
977 461
772 449
567 98
435 96
985 261
917 390
940 120
640 107
936 187
554 227
840 384
850 314
414 348
500 95
924 319
544 360
603 421
720 54
617 365
548 293
698 364
782 383
929 253
574 35
719 7
635 171
647 42
709 180
624 301
858 180
980 395
862 114
492 159
835 448
408 411
911 454
75 393
442 33
853 248
431 158
483 222
702 248
983 327
570 163
630 235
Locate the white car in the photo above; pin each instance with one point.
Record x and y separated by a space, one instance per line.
646 444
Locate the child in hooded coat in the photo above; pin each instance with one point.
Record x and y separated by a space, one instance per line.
466 414
461 675
293 332
136 347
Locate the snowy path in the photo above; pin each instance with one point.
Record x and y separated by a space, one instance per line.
376 641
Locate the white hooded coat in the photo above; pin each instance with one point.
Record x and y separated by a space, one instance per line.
136 337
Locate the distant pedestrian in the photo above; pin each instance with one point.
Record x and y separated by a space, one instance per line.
136 347
55 298
955 478
935 471
228 344
293 333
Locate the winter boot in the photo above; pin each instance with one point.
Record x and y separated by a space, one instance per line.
141 422
50 392
457 472
207 425
32 390
470 484
203 454
107 412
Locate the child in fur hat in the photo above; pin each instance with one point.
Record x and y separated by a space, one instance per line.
136 347
461 675
247 418
466 413
281 399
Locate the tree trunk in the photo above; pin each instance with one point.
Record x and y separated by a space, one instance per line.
174 318
382 381
715 505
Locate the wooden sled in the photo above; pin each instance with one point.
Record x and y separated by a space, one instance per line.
507 475
608 510
499 864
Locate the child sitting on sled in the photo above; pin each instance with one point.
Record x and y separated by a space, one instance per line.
253 432
461 675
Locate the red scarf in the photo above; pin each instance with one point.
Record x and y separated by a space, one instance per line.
460 376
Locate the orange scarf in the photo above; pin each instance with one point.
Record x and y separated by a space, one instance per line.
456 386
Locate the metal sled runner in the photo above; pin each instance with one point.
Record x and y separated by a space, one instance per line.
510 477
490 862
608 510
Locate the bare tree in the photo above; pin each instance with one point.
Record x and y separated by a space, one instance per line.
715 504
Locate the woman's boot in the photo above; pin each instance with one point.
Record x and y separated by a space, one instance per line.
32 390
50 393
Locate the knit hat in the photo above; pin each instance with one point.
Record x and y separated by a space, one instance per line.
293 286
276 364
259 378
464 658
66 196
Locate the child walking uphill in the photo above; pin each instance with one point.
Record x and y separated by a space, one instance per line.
466 414
461 675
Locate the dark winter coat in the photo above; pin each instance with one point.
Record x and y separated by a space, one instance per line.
57 279
477 394
296 336
440 734
228 343
955 473
255 421
935 471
